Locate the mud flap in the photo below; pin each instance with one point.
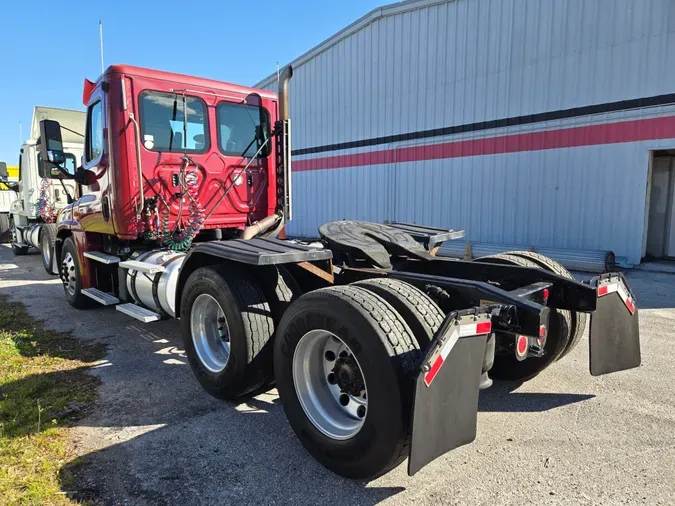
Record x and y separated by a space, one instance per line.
614 341
446 393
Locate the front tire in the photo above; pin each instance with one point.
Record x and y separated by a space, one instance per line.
354 418
226 324
47 240
5 229
71 275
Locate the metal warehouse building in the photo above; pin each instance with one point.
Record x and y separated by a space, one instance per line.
529 123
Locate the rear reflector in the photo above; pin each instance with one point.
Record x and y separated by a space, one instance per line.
429 376
475 329
472 329
619 288
483 328
542 330
630 305
545 294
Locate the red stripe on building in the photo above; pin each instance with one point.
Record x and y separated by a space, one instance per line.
593 135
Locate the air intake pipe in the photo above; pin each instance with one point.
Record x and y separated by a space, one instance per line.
260 227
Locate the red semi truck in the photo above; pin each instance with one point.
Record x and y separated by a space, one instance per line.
377 347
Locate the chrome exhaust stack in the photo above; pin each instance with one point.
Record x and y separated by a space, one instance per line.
284 205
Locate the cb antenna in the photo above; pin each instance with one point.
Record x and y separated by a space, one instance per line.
100 36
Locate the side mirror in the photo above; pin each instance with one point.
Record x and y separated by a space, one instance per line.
52 156
4 175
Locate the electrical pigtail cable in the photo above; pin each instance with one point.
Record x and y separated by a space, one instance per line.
180 239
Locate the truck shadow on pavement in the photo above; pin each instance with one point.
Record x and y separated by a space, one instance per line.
501 398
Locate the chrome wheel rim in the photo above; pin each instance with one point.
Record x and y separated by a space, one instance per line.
46 253
330 385
210 333
68 273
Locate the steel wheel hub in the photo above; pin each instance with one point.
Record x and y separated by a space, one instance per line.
210 333
68 273
329 384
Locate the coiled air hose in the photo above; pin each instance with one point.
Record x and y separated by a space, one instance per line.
181 240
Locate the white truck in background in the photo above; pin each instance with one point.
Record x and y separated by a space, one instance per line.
33 213
8 185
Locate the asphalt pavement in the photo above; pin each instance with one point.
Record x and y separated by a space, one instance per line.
565 437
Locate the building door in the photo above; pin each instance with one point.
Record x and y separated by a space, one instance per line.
661 231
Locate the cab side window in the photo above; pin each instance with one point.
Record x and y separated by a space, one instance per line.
94 132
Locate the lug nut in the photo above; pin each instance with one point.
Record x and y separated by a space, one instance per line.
330 356
331 379
361 411
344 399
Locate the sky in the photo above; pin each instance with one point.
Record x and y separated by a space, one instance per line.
46 51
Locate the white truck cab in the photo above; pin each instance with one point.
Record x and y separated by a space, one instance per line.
40 199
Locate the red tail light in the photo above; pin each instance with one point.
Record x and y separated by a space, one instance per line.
521 345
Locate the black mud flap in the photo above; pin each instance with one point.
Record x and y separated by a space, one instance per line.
614 342
446 393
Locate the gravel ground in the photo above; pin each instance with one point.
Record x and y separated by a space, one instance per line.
563 438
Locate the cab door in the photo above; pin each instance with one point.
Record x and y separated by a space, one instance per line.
94 205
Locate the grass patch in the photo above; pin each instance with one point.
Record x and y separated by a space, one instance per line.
44 387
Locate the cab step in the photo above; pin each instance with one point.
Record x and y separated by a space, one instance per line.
104 298
135 265
140 313
99 256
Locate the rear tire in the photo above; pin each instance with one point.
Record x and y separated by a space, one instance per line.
47 240
387 356
5 229
237 365
506 366
579 319
71 276
422 314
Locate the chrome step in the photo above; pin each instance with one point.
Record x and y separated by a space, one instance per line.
99 256
138 312
135 265
104 298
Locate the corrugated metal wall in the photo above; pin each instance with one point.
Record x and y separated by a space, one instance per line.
426 65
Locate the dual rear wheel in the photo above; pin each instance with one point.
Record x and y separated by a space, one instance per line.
344 358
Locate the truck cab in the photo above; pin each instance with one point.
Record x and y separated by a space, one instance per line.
149 136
